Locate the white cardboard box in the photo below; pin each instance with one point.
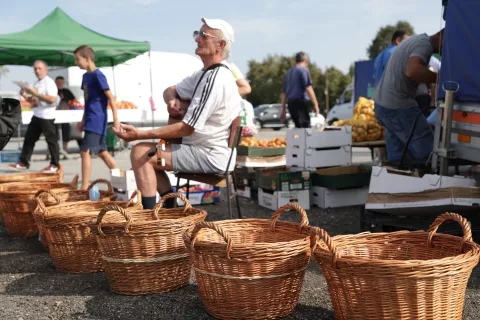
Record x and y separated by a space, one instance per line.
386 180
314 158
277 199
312 138
332 198
245 192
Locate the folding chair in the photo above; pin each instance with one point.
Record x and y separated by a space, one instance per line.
222 180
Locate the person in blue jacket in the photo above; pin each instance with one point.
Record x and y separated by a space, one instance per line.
382 59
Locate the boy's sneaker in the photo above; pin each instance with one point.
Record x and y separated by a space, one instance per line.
18 166
50 169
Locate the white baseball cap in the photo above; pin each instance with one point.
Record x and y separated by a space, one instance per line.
221 25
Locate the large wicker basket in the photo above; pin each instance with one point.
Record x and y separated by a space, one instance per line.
34 176
15 200
398 275
250 268
50 198
71 244
143 252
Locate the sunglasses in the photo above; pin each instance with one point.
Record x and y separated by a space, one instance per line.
203 35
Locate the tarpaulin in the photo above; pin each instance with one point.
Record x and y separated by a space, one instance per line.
364 82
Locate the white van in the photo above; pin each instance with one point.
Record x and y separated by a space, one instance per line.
344 107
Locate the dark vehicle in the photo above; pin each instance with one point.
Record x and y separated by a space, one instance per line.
268 116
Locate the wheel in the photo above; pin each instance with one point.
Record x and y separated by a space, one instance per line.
277 129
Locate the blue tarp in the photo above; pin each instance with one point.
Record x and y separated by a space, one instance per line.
364 81
461 50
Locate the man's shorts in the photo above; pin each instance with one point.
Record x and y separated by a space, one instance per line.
197 159
93 142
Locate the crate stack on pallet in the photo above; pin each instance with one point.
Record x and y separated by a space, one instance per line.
318 171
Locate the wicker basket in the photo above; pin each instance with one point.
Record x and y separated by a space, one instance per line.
50 198
250 268
34 176
15 200
398 275
143 252
71 244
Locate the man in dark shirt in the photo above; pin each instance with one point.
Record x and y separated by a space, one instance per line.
65 97
297 88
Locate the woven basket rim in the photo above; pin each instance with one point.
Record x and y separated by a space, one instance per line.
471 250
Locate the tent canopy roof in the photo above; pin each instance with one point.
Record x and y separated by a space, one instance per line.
54 39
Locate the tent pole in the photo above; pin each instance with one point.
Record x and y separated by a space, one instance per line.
114 84
151 88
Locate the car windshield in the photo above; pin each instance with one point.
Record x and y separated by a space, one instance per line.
260 109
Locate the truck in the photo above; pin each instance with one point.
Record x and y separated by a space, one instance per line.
363 85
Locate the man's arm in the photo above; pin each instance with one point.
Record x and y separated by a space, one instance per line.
113 105
283 114
244 87
170 96
418 71
43 97
171 131
312 96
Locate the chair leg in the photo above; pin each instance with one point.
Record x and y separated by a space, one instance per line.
229 196
177 189
188 188
237 198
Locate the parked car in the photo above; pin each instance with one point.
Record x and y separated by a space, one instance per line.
343 109
268 116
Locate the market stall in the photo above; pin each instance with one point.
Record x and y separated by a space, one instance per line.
54 40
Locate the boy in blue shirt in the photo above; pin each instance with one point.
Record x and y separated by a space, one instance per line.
97 95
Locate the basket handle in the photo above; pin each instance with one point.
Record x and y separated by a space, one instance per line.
43 192
109 185
74 183
158 206
317 233
290 206
40 204
109 208
214 227
467 231
131 202
60 173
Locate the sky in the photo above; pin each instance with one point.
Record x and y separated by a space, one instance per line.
333 32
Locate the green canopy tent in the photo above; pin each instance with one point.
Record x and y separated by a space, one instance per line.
55 38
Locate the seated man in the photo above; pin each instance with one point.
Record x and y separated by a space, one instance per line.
204 126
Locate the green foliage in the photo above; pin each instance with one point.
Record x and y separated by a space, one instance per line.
384 36
266 79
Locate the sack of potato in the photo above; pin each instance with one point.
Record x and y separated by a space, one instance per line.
365 126
273 143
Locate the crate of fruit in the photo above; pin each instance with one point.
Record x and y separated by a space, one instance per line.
252 147
201 194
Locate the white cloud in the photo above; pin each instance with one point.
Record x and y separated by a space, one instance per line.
145 2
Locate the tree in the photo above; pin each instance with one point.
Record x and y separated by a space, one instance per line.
384 37
266 79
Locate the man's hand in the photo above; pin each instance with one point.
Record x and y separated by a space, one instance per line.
127 132
31 91
80 126
177 107
117 125
283 115
317 110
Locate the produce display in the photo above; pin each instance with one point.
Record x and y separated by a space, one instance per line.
75 105
124 105
365 126
273 143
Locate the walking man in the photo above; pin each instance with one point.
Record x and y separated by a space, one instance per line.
297 89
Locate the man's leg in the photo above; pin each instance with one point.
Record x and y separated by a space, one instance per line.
292 109
86 168
303 115
31 137
50 131
150 174
394 144
421 143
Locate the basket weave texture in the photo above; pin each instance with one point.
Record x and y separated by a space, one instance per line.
71 244
15 200
250 268
398 275
50 198
34 176
143 251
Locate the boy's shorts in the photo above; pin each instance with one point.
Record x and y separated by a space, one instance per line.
93 142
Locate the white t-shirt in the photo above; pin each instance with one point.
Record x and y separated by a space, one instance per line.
213 107
47 87
435 64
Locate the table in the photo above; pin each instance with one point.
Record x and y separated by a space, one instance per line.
369 144
264 162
